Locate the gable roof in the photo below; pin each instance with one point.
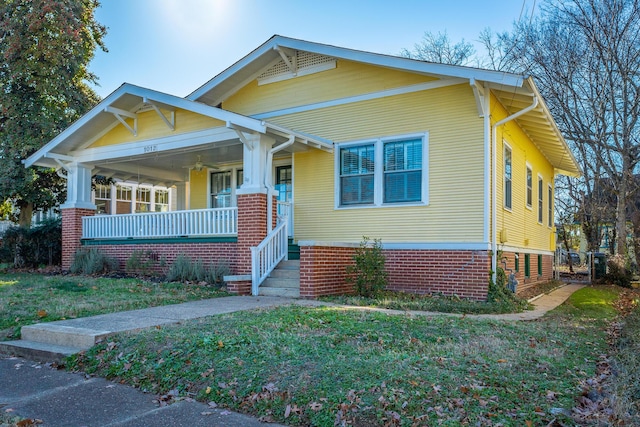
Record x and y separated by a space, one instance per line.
128 99
514 91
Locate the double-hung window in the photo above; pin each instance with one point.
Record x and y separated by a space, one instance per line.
507 177
540 198
550 207
357 168
387 171
529 186
403 171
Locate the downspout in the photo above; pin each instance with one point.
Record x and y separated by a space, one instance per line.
267 179
494 208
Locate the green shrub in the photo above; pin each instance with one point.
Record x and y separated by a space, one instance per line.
184 269
34 246
92 261
368 273
499 294
620 272
142 262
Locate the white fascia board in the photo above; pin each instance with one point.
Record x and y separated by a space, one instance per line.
199 108
173 142
389 61
75 126
408 64
321 143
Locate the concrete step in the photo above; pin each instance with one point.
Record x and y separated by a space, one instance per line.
37 351
281 273
291 264
279 282
280 292
63 335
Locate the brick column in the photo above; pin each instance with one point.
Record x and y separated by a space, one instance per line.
252 229
72 233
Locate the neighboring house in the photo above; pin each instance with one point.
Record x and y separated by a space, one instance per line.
451 167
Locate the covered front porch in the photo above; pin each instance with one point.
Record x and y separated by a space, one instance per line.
231 176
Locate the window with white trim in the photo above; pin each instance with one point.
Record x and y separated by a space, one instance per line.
540 197
103 198
403 171
143 199
529 186
387 171
550 203
357 167
124 196
507 177
161 200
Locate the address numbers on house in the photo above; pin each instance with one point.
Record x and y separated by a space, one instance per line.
150 148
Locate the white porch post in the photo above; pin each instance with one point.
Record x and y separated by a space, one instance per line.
78 187
182 196
254 159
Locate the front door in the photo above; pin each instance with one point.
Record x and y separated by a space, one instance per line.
284 186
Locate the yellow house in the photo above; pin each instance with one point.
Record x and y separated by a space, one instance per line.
301 144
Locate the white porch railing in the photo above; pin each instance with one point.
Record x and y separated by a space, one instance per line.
200 222
265 256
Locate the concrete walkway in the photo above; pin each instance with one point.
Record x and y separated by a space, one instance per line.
58 398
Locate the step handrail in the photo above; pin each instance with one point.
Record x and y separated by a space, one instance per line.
266 256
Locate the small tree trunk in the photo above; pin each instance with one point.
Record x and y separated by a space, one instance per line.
26 213
621 218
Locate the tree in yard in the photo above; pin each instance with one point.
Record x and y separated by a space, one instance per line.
585 57
45 48
439 48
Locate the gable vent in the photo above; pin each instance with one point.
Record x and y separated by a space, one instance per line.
303 63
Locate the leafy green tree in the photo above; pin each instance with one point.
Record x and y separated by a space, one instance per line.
45 49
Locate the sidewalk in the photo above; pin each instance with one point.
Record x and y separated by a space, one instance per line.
58 398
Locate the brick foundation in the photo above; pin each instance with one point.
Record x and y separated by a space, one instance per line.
461 273
534 278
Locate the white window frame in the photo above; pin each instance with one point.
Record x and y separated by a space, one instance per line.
378 175
540 199
528 189
550 207
505 147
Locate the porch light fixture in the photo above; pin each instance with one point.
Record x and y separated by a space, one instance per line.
199 165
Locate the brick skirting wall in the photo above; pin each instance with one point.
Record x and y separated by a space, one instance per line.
461 273
166 253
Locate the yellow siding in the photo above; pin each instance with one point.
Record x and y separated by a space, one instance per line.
198 189
150 126
455 211
347 79
521 223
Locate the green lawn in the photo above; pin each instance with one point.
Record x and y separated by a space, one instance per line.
30 298
334 366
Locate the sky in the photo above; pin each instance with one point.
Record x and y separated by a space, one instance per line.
175 46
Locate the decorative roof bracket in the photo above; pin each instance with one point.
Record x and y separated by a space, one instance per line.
478 93
241 136
170 122
119 113
289 58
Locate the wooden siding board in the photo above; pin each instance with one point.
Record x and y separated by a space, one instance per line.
455 210
521 222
